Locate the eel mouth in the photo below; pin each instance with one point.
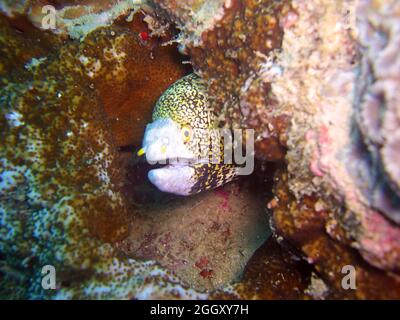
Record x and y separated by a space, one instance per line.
165 163
173 176
167 166
173 163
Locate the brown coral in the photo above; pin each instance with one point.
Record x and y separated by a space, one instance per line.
61 175
323 243
229 48
293 78
272 273
20 42
151 68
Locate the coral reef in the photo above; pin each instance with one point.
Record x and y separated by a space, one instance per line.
318 86
18 48
272 273
377 104
325 156
73 18
151 68
311 228
60 202
229 43
322 85
206 240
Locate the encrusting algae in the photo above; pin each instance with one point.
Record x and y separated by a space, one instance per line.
59 179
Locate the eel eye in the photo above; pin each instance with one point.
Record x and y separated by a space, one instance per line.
186 133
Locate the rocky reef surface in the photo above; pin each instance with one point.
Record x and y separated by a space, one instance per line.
317 80
58 174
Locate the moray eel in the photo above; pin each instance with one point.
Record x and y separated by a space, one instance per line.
183 137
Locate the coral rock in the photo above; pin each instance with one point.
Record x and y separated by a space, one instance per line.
229 48
61 202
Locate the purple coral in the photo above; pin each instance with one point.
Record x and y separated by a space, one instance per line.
378 103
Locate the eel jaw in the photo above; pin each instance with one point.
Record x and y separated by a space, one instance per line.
163 145
173 178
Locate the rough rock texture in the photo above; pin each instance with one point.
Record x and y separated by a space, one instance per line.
206 239
152 67
319 87
229 43
19 43
325 155
60 198
72 18
323 85
324 244
378 103
62 202
274 272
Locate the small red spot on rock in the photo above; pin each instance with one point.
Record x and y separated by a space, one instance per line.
202 262
144 35
207 273
225 196
226 233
